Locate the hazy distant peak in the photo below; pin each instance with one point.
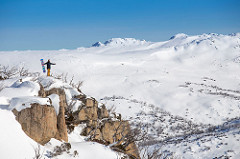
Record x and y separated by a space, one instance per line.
213 34
179 36
120 42
235 34
97 44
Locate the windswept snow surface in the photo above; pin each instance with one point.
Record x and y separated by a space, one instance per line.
192 77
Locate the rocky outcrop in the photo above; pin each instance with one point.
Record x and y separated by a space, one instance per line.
115 133
61 124
61 93
118 132
41 92
103 112
105 129
89 110
39 122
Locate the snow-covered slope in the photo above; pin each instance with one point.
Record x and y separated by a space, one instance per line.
14 142
194 78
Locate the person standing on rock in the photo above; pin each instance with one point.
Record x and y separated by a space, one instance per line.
49 66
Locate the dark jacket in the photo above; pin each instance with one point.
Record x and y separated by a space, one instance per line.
49 64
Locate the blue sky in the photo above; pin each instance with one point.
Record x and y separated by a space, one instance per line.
56 24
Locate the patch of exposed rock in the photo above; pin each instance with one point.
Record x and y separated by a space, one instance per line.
61 124
41 123
103 128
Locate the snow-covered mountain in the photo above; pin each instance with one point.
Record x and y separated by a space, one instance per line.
211 40
184 90
117 42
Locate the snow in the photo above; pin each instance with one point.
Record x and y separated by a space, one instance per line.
179 36
86 150
20 94
124 42
14 142
55 102
17 89
209 146
193 77
49 83
94 150
120 42
20 103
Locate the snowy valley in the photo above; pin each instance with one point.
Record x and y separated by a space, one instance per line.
181 95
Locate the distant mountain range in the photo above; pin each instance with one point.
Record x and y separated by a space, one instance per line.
211 40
